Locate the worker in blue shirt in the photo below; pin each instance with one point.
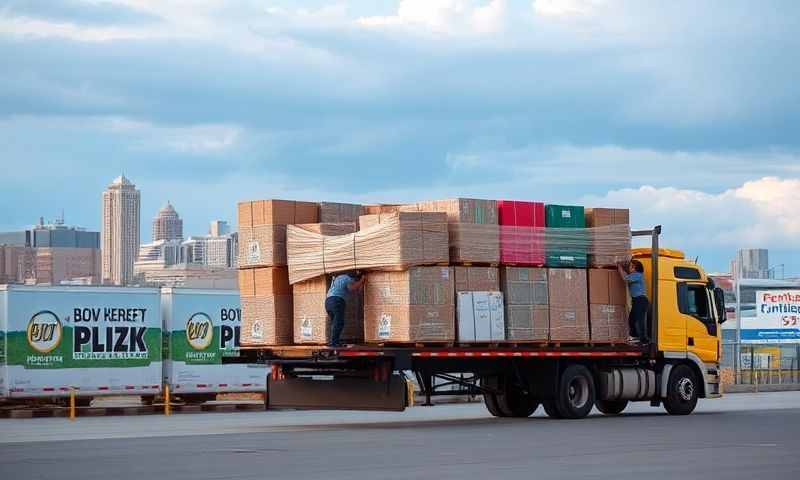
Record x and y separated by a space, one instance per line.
342 286
637 319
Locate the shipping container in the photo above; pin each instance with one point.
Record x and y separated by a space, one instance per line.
95 340
202 329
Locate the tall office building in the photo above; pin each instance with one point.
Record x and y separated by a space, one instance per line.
167 224
219 228
753 263
120 231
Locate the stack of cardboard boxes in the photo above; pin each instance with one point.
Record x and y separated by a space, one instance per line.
410 296
266 296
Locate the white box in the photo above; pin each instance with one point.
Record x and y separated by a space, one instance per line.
466 317
480 317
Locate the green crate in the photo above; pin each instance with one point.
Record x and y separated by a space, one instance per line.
575 252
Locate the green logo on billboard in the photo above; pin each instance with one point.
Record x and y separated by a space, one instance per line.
44 331
199 331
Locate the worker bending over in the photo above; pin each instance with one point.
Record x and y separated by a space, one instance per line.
340 292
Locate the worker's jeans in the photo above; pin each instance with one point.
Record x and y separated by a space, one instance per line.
335 308
637 319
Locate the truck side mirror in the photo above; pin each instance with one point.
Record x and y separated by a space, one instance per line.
719 301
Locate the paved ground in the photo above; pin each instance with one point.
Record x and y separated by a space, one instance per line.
750 436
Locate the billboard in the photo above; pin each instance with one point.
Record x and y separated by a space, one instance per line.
776 320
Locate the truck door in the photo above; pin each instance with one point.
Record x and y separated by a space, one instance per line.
695 302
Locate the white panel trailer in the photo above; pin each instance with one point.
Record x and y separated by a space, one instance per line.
93 340
202 331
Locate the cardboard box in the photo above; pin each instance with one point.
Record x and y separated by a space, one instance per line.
569 308
414 305
566 238
386 241
266 302
521 232
527 310
476 279
610 235
311 323
480 317
331 212
381 208
262 229
608 311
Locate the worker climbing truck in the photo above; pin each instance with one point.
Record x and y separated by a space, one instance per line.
678 366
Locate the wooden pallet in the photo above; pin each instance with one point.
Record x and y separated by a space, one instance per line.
156 409
475 264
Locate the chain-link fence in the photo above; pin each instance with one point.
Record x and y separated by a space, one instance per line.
760 364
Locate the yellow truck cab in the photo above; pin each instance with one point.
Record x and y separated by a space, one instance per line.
687 310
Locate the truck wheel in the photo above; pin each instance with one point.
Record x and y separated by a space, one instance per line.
681 391
611 407
83 401
575 395
550 408
491 404
516 403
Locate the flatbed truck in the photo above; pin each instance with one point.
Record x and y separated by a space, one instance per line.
678 366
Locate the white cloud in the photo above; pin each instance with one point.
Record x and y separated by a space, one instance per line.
760 212
192 139
566 8
444 16
37 28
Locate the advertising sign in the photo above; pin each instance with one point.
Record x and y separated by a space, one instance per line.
203 327
776 320
92 339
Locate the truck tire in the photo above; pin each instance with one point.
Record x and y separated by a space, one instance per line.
490 401
575 396
681 391
516 403
611 407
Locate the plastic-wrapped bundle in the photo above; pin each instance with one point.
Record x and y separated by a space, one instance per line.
414 305
472 227
612 247
385 241
516 219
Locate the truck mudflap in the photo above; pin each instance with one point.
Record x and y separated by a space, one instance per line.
339 393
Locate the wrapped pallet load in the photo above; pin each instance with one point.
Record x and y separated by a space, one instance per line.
527 308
472 227
610 236
566 238
414 305
385 241
608 312
266 299
569 310
522 232
262 229
310 318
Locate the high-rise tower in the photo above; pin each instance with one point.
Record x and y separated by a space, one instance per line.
120 231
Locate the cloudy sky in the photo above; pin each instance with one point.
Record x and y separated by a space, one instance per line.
687 112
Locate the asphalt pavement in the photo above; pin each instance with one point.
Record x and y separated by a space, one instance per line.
753 436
